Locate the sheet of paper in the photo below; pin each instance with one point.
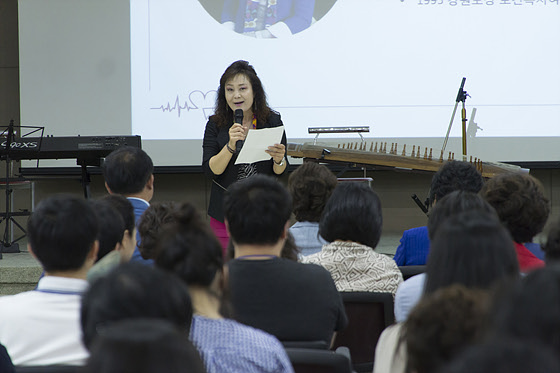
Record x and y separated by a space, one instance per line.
256 142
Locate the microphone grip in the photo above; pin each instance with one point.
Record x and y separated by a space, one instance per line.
238 145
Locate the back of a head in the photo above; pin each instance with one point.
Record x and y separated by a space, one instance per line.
151 223
125 209
353 213
529 310
61 232
520 203
143 346
473 249
505 355
131 291
127 170
256 210
454 203
455 175
442 325
111 226
310 185
189 249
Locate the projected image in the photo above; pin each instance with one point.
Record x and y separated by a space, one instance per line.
267 19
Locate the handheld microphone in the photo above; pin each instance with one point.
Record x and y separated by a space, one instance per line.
238 119
423 207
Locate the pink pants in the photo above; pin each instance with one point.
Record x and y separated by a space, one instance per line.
220 231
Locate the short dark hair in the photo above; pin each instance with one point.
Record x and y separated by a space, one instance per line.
189 249
455 175
111 227
61 232
454 203
150 225
257 210
551 247
125 208
520 203
143 346
442 325
134 290
127 170
310 185
471 248
222 112
353 213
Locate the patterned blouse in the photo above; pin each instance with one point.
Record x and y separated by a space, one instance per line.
357 267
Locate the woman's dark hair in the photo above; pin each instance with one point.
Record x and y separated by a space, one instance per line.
223 115
310 185
189 249
151 224
134 290
552 246
520 203
442 325
454 203
471 248
353 213
143 346
529 310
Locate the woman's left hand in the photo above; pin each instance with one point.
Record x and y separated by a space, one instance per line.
277 152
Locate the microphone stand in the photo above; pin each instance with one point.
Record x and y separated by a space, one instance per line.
461 97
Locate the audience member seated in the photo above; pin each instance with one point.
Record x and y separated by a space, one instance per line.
352 223
134 291
151 224
442 325
505 356
529 310
310 185
454 175
522 207
191 250
143 346
472 249
117 234
409 291
292 301
41 327
129 171
552 246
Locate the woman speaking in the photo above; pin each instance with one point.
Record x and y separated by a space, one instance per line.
240 91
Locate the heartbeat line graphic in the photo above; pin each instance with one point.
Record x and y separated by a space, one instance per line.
197 100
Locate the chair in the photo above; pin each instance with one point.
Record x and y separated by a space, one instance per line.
369 313
48 369
315 345
409 271
307 360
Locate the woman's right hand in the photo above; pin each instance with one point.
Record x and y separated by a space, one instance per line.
236 133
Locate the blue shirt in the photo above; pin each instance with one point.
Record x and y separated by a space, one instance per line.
139 206
307 238
414 247
228 346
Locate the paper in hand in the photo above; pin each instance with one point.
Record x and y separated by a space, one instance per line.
256 142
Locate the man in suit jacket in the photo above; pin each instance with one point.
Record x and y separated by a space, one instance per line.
129 171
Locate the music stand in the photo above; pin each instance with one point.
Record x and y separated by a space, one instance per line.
10 150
